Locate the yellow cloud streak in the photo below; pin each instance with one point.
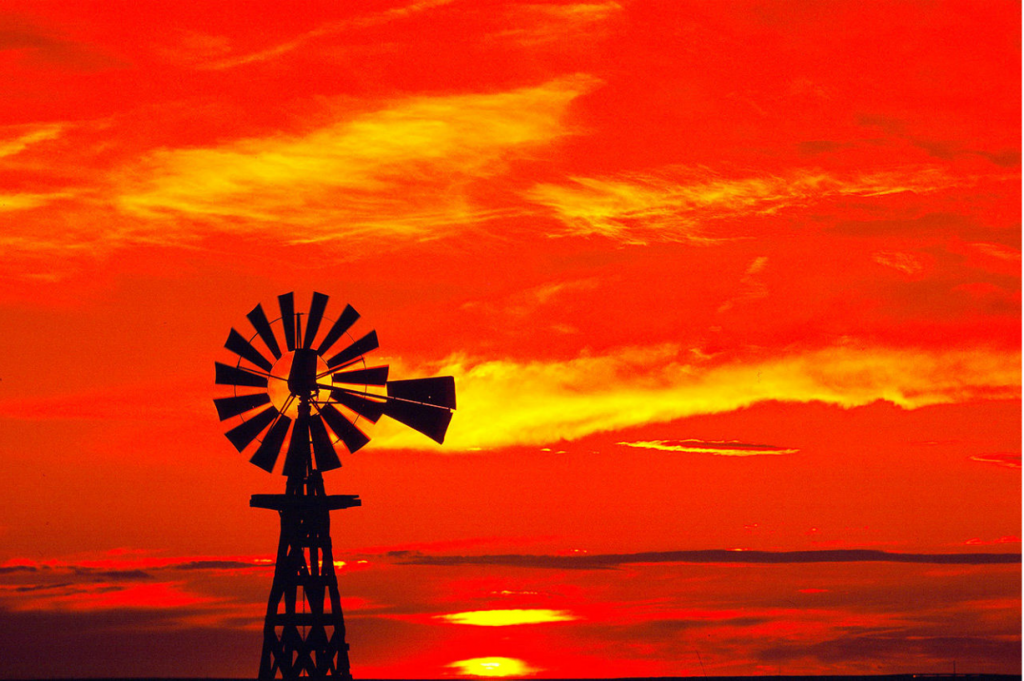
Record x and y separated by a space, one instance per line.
34 134
675 205
400 171
716 448
504 618
505 403
28 200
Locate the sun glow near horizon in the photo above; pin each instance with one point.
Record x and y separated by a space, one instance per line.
493 667
504 618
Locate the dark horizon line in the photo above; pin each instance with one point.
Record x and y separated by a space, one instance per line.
731 556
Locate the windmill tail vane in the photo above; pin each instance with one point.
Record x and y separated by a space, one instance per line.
306 401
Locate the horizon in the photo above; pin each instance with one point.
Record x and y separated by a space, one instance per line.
635 678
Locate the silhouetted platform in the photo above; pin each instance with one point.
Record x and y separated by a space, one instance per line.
281 502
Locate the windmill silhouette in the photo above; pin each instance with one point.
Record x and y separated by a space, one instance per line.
304 629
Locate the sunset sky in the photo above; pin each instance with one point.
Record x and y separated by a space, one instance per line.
731 292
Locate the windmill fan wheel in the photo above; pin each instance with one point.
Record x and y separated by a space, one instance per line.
310 398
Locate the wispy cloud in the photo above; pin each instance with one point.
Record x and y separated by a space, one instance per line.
521 304
26 201
119 562
999 251
14 139
904 262
408 170
1009 539
401 171
117 580
723 556
1010 460
753 287
308 38
567 26
110 596
509 402
679 204
718 448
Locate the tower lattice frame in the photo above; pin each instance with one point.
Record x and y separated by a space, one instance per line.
304 630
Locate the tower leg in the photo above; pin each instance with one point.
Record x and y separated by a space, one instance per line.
304 631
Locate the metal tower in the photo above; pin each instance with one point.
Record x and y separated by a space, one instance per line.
304 631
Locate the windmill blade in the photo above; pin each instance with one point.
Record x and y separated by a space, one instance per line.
287 303
316 314
258 319
353 438
360 347
298 448
233 406
268 451
371 376
343 324
243 348
247 431
323 448
430 420
229 375
439 391
359 403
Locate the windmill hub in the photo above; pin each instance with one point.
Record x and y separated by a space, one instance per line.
293 379
302 375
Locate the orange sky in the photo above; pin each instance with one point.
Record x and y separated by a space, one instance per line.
709 276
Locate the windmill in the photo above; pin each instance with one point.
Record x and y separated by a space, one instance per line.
306 401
